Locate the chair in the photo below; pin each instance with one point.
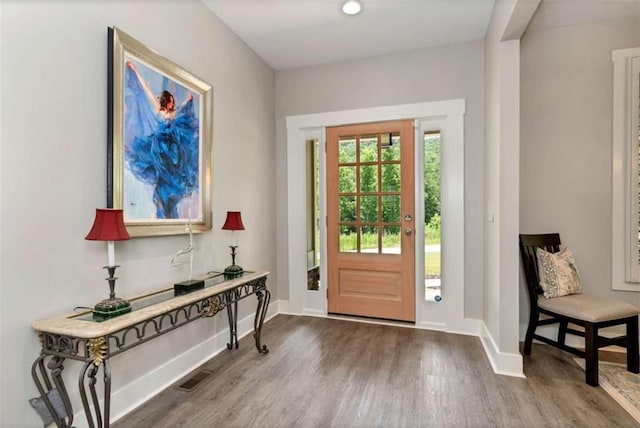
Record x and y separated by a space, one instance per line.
589 312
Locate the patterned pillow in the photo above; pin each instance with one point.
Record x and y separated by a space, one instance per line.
558 273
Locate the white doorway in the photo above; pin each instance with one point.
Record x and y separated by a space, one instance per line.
446 117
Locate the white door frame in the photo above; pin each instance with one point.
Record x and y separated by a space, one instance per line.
446 116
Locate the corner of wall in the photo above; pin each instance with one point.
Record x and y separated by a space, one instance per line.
521 15
502 143
503 363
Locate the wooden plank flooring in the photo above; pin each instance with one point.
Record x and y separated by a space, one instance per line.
336 373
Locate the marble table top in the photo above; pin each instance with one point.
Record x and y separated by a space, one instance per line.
70 325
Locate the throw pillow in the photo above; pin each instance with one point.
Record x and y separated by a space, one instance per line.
558 273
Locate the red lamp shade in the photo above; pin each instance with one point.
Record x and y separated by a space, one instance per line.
233 221
108 226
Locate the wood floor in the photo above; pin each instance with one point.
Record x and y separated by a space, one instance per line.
335 373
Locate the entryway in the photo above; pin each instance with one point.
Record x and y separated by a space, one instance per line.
446 118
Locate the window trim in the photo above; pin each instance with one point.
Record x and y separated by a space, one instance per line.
625 253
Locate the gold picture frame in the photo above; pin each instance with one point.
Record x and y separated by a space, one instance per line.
159 142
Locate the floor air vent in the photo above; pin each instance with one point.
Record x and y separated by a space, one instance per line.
193 381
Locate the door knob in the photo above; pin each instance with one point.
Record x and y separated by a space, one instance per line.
408 231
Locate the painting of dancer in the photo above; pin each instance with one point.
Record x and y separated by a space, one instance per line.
161 141
161 151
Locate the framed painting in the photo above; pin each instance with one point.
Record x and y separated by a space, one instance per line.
160 129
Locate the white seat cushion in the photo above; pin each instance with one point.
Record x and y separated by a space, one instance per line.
588 308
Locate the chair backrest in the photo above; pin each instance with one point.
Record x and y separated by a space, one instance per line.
528 243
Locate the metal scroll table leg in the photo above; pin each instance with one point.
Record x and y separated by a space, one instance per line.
232 314
106 369
264 296
55 366
90 370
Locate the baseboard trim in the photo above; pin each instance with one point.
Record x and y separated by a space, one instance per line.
313 313
429 325
503 363
468 326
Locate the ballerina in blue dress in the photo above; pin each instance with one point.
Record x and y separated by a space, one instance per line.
162 143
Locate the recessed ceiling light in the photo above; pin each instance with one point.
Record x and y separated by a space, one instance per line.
352 7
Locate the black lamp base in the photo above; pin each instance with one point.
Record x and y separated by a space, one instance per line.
111 308
233 271
185 287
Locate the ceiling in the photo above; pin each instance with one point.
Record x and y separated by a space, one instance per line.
557 13
298 33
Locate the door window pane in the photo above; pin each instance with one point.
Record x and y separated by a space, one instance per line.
391 209
368 178
347 209
390 150
391 178
347 150
369 239
391 240
348 239
369 209
369 149
347 179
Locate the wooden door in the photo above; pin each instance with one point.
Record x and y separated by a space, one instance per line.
370 220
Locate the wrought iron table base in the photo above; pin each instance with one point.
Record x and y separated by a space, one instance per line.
264 297
96 352
261 312
48 380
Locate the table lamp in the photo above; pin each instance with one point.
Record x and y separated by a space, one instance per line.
109 226
233 223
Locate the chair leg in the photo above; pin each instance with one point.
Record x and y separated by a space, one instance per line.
531 329
632 345
591 354
562 331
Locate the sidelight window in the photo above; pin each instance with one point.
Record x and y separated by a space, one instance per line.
626 170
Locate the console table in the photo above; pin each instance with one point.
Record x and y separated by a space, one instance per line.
79 337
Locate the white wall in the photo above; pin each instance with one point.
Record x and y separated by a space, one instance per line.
53 176
565 158
491 177
502 102
450 72
1 199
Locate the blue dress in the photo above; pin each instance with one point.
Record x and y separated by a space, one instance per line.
161 152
